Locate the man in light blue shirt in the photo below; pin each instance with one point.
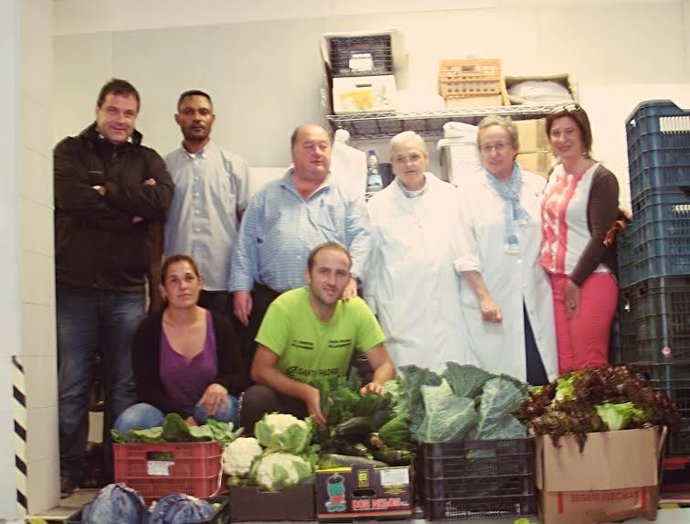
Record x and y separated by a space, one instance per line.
211 193
284 221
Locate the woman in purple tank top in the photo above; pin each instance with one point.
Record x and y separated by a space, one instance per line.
186 359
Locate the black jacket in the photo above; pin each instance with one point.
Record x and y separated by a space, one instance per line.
97 244
146 352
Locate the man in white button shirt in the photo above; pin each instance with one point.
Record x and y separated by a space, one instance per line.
211 193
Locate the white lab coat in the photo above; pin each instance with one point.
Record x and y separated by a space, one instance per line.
510 279
411 284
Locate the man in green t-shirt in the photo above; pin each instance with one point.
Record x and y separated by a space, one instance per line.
309 333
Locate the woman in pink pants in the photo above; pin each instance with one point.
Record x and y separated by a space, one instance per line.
579 207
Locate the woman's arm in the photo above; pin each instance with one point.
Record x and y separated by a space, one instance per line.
491 312
146 345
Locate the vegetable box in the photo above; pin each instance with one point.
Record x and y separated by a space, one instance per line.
155 470
615 477
249 503
363 492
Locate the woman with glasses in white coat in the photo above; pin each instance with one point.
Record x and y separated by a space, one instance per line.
506 296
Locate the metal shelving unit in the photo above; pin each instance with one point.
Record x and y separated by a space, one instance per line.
371 126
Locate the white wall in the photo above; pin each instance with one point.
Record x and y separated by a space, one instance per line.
261 63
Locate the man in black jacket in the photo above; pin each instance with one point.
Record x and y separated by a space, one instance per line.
110 193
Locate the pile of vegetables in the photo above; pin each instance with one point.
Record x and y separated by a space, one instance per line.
119 504
605 398
463 402
366 426
280 456
175 429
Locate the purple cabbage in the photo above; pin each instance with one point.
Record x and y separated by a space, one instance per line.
116 504
178 508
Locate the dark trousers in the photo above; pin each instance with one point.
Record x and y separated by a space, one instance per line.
258 400
217 301
536 374
262 296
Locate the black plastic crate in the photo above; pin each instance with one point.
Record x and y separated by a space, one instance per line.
349 54
673 378
473 479
657 242
658 136
655 314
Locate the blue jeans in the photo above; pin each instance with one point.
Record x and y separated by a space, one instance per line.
93 322
145 416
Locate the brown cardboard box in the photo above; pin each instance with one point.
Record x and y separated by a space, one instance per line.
363 492
539 162
249 503
614 478
565 79
532 135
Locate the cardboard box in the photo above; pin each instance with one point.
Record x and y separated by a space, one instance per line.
249 503
363 492
364 93
532 135
615 477
539 162
564 79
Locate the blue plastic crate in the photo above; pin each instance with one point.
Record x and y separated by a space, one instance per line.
658 135
657 242
655 314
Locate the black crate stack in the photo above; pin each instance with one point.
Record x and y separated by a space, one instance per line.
654 256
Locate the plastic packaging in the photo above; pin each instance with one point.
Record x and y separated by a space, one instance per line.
374 180
348 164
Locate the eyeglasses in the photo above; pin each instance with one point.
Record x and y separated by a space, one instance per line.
565 109
412 158
498 146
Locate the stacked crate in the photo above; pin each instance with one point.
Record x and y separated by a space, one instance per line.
654 255
471 82
361 71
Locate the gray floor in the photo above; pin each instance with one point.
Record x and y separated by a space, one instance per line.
71 504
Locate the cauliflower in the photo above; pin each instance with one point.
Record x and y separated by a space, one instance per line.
282 432
278 470
239 455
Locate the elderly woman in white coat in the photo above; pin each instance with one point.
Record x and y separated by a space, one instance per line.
507 298
412 284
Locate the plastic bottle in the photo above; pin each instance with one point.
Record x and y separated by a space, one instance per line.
374 180
348 164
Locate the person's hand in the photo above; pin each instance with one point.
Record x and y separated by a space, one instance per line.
100 190
150 182
312 399
242 306
571 296
374 387
350 290
490 310
136 219
190 421
214 399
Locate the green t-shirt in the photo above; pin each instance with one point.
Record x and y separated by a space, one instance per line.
308 348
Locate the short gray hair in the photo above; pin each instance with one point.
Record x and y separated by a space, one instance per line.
503 121
409 136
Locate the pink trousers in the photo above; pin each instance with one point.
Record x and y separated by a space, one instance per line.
583 339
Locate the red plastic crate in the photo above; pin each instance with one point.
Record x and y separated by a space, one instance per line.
154 470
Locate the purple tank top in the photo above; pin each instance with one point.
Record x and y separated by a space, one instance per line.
186 380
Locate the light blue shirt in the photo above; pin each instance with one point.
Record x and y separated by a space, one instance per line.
280 228
211 187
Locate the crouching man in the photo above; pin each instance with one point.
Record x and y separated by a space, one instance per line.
308 333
